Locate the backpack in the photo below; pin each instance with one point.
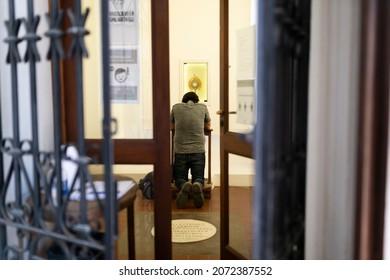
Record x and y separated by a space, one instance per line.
146 186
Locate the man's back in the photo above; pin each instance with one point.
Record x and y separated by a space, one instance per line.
189 119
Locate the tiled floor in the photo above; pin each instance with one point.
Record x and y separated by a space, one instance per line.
204 250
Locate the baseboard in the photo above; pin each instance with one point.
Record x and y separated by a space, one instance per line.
237 180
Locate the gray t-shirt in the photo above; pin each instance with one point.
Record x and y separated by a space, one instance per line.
189 119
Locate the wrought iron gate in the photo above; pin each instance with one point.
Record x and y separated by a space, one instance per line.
36 206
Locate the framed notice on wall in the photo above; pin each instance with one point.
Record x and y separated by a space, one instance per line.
124 75
195 78
246 70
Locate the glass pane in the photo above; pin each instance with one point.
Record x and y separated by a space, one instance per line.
130 70
241 182
241 65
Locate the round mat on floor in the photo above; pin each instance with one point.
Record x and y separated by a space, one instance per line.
189 230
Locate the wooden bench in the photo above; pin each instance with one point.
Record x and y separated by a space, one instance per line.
126 191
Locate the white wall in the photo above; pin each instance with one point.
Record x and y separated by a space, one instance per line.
194 35
332 136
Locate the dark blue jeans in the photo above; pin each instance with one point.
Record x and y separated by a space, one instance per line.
185 162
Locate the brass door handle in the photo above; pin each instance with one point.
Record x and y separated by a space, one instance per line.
221 112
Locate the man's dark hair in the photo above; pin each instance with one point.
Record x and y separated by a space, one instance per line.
190 96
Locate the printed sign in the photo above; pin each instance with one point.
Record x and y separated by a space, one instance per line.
124 75
122 11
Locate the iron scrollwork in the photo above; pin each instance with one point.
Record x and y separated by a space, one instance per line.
38 205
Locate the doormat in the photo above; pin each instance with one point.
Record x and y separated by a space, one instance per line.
190 230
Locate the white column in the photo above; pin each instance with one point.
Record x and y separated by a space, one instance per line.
386 249
254 4
332 129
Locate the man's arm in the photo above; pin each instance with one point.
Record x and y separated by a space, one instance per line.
207 125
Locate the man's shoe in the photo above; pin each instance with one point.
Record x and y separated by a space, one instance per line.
198 194
182 197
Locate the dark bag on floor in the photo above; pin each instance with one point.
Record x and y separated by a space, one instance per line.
146 186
